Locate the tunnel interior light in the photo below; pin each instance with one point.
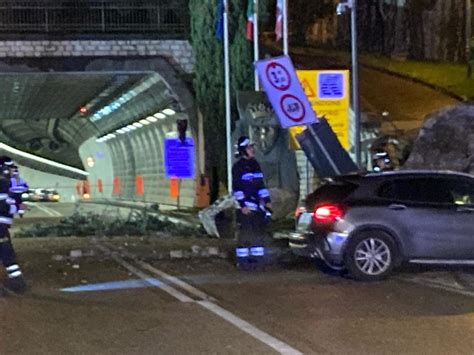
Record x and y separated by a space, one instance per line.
169 111
42 160
144 122
131 127
160 115
138 125
151 119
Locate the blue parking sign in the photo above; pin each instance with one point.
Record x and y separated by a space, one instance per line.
330 86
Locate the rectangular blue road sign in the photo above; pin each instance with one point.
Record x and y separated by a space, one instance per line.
179 158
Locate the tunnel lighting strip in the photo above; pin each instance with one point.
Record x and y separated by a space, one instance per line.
42 160
138 124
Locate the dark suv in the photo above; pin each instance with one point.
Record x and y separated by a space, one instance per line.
370 224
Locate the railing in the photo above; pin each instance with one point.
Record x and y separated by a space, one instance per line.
63 17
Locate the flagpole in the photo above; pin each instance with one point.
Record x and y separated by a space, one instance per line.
285 27
256 54
227 96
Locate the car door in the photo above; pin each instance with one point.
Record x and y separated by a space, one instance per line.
462 236
424 213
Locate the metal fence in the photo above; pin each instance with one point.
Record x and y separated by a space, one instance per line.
164 18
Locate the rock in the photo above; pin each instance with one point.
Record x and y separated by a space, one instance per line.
446 141
76 266
176 254
223 255
196 249
75 253
213 251
83 281
57 257
284 202
204 253
187 254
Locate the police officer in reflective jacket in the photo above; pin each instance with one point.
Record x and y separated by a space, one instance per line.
254 207
15 281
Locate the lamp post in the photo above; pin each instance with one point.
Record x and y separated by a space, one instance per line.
341 8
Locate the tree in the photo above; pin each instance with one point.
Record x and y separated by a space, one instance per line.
209 78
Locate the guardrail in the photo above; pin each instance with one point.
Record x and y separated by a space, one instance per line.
99 17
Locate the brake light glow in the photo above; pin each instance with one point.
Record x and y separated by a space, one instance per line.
328 213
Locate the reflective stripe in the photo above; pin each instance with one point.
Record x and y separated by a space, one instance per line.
242 252
4 240
13 267
239 195
257 251
18 189
263 193
5 220
258 175
245 143
251 205
11 201
14 274
247 177
13 209
3 196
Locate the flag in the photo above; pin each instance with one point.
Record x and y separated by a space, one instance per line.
250 20
279 20
220 21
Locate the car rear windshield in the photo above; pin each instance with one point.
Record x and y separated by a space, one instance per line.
330 193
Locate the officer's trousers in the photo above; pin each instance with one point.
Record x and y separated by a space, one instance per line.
7 253
250 242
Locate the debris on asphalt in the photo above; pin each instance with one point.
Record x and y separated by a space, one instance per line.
75 253
176 254
75 266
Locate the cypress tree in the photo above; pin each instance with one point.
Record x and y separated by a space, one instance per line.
209 78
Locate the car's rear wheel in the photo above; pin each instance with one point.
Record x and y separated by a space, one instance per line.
371 255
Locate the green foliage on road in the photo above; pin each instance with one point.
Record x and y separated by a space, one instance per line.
92 224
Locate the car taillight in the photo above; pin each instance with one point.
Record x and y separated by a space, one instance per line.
328 213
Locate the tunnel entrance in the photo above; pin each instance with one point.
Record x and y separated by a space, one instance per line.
108 116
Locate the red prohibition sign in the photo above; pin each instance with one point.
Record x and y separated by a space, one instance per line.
292 107
278 76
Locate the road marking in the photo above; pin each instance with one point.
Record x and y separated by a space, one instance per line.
434 284
248 328
49 211
168 289
178 282
241 324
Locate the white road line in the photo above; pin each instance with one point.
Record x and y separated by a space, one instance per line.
168 289
437 285
248 328
241 324
45 210
178 282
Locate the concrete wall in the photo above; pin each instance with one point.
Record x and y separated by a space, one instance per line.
179 52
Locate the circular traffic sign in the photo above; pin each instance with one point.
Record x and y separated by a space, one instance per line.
292 107
278 76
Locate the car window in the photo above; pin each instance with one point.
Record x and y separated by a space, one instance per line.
419 190
332 193
462 191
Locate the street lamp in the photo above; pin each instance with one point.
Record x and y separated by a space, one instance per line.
342 7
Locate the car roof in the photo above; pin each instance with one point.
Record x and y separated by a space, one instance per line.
359 177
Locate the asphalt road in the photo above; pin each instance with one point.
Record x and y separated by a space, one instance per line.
290 308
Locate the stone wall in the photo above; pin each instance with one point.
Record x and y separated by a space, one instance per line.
179 52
